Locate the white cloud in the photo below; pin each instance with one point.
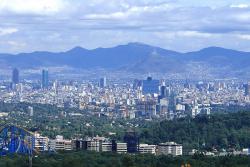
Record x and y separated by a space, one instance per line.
7 31
244 36
194 34
116 15
131 11
70 23
244 16
181 34
16 44
40 7
240 6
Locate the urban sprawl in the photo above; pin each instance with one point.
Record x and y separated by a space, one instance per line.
145 99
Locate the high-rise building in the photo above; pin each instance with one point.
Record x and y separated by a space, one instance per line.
31 111
45 79
247 89
15 76
163 91
137 84
103 82
150 86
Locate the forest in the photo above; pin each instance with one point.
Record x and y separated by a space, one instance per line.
94 159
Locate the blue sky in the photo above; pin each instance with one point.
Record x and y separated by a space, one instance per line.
181 25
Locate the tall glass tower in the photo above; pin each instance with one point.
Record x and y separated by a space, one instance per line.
103 82
45 79
15 76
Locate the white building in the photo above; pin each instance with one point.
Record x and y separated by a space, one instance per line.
121 148
60 144
147 149
106 146
169 148
31 111
180 107
4 114
41 143
246 151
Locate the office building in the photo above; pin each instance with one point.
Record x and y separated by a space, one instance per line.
80 144
147 149
93 145
45 79
60 144
150 86
15 76
106 146
98 144
103 82
247 89
169 148
121 148
163 93
146 109
132 141
41 143
137 84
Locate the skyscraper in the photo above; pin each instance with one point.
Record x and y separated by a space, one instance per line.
163 91
45 79
247 89
150 86
103 82
15 76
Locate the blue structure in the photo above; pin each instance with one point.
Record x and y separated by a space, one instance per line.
45 79
14 139
150 86
132 141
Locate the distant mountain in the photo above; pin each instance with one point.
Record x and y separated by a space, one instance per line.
215 56
139 58
82 58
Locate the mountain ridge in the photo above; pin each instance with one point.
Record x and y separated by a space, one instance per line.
136 58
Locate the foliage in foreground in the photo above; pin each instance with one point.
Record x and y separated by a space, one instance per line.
93 159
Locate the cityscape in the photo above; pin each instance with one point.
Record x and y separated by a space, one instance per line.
147 98
124 83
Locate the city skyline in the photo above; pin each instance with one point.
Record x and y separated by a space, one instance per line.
126 83
58 25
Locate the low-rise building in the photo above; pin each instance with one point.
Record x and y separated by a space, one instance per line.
169 148
60 144
121 148
147 149
41 143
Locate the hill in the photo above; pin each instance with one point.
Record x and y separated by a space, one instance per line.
139 58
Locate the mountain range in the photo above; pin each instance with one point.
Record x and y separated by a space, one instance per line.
139 58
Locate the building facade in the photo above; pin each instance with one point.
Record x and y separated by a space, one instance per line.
169 148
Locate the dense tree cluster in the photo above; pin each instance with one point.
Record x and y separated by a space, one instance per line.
219 131
93 159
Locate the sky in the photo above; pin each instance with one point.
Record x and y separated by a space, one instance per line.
180 25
